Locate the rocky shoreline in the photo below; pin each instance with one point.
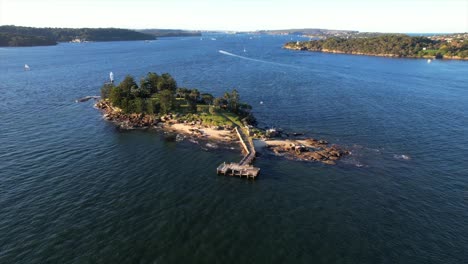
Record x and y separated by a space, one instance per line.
126 121
169 123
307 149
290 147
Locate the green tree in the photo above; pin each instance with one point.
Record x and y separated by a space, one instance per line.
125 105
166 98
151 82
234 100
227 96
192 100
130 107
127 86
145 88
116 96
106 90
182 93
149 106
140 106
207 98
166 82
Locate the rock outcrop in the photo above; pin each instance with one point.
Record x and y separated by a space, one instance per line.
310 150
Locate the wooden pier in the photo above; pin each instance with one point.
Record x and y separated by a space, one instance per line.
244 167
235 169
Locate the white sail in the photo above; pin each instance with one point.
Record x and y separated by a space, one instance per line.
26 67
111 76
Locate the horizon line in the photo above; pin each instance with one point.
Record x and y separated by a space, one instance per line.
244 31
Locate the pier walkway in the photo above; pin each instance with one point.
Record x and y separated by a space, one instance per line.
244 167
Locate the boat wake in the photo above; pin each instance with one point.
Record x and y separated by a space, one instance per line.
402 157
87 98
261 61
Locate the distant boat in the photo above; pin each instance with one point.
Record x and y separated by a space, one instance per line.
245 50
111 77
429 60
213 38
26 67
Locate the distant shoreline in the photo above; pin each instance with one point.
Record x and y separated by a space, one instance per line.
452 47
373 54
16 36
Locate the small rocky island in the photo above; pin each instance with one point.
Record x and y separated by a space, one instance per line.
158 103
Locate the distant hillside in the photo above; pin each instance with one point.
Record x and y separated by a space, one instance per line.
306 31
170 32
390 45
18 40
14 36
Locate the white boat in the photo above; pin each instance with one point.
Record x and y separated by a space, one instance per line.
245 50
111 77
429 60
26 67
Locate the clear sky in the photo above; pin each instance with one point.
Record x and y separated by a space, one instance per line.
363 15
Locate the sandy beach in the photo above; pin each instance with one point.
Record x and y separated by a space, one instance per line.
203 132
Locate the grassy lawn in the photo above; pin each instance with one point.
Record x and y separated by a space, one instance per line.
219 118
232 117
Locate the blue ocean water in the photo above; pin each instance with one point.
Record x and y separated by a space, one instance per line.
75 190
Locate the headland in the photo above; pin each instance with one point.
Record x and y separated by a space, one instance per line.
390 45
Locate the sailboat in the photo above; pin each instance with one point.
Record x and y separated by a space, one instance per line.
26 67
245 50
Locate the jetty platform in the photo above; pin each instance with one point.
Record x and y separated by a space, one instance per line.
244 167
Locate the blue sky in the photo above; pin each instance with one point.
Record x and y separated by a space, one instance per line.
376 16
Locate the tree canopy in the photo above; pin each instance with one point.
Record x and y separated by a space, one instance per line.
159 94
390 44
30 36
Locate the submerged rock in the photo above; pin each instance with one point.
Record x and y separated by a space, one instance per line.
170 137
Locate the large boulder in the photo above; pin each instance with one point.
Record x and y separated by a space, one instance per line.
329 162
316 156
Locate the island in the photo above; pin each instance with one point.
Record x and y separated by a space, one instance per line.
157 102
454 46
15 36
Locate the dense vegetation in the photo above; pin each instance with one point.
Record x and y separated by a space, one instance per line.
30 36
393 44
170 32
17 40
159 94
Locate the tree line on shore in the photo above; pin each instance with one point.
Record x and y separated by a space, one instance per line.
30 36
159 94
391 44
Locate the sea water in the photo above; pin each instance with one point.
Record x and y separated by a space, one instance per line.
73 189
